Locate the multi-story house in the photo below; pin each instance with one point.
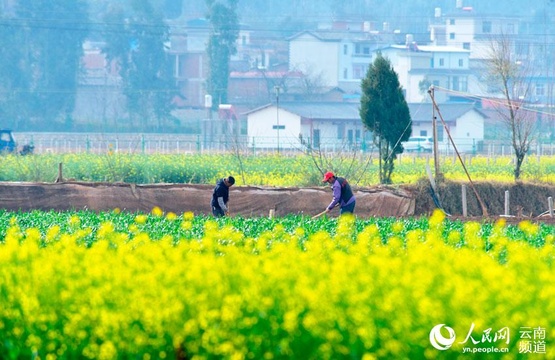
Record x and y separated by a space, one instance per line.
420 66
337 57
463 28
478 33
190 63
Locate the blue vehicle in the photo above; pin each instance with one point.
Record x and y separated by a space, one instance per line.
8 145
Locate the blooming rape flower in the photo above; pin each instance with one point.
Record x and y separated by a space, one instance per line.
106 228
437 218
33 234
397 227
186 225
189 215
74 221
156 211
454 237
141 219
472 236
52 233
133 228
528 228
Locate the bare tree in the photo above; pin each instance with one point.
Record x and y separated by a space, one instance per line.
348 161
235 143
511 76
312 82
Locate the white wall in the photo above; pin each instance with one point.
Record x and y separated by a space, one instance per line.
330 139
450 60
468 131
315 57
464 29
262 134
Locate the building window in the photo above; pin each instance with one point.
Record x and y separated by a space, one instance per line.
340 131
316 138
243 40
432 63
357 49
177 66
466 46
464 84
439 130
359 71
522 49
345 49
461 62
366 50
486 27
540 90
451 21
456 83
442 62
423 133
345 72
452 36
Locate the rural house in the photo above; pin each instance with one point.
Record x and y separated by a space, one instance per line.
334 125
325 125
464 121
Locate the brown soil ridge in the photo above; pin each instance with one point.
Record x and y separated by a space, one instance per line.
526 200
247 201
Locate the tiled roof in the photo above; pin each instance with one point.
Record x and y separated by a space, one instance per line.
449 112
324 110
336 35
350 110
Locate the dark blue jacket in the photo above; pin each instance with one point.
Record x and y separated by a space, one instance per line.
221 190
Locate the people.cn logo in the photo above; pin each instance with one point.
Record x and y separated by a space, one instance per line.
439 341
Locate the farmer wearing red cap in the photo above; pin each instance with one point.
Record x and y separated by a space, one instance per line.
342 194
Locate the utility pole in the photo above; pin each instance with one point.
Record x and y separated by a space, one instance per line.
207 128
277 90
434 104
434 136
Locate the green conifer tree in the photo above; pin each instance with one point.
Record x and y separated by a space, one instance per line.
384 111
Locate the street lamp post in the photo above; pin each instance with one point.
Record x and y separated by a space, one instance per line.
277 90
208 122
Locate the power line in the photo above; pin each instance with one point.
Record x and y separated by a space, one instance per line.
500 102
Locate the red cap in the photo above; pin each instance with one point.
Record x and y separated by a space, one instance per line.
328 176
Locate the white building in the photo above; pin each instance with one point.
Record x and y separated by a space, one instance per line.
464 122
420 66
335 57
332 125
297 125
468 30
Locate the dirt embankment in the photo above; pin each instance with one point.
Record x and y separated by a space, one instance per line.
524 200
178 198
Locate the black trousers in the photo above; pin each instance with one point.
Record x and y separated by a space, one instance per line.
217 211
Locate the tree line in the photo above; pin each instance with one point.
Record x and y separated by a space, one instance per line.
41 47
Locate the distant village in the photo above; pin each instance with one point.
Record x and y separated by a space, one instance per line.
305 89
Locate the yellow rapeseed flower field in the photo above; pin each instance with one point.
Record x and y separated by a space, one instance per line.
209 290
